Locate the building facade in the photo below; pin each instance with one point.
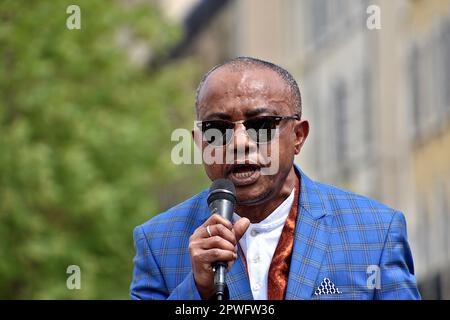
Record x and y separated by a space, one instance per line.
378 102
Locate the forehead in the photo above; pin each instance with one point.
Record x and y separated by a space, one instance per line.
246 87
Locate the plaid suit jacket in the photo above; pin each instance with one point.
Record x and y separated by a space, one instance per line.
356 242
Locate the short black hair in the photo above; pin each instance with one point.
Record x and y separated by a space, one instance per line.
240 62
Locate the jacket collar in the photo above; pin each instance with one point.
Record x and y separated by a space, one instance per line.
312 201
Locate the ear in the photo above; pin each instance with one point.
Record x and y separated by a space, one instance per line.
301 130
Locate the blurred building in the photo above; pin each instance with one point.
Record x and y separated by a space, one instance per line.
209 31
378 101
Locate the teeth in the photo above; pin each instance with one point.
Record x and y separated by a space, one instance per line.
243 175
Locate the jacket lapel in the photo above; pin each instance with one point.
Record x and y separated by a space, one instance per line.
310 242
237 280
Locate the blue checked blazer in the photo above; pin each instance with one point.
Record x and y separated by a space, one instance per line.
357 243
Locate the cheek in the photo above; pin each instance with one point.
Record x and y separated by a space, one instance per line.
280 152
214 171
213 161
287 144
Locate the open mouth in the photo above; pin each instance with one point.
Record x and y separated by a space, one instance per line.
243 174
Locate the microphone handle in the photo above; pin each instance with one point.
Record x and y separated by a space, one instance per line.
225 209
219 279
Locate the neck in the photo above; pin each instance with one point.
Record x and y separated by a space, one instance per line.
257 213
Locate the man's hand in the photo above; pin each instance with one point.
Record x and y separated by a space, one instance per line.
221 246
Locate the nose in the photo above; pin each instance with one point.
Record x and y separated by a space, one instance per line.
241 145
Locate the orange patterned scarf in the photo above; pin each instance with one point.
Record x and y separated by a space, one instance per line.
281 260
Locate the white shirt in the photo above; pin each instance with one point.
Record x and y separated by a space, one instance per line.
259 243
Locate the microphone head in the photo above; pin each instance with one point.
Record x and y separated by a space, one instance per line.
222 189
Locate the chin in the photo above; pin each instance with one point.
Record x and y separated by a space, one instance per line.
249 197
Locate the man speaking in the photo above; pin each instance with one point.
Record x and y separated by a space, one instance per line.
289 237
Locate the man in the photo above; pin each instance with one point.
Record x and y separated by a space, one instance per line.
291 237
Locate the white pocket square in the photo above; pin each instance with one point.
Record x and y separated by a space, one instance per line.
326 287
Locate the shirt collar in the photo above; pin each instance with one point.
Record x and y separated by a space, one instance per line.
276 218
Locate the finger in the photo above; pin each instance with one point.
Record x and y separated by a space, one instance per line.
217 219
240 227
223 232
201 231
217 242
213 255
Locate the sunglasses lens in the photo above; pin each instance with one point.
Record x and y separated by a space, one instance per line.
261 129
217 132
220 132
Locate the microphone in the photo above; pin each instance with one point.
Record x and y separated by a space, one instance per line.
221 200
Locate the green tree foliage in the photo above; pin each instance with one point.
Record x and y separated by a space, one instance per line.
85 143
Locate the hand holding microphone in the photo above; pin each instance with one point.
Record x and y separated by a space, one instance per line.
214 243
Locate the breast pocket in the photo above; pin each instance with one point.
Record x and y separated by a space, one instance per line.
342 296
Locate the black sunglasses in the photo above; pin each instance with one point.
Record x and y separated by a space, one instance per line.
260 129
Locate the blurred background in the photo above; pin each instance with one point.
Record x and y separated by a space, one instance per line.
86 118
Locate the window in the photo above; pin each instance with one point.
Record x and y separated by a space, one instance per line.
445 41
319 19
443 220
415 90
319 137
368 114
340 106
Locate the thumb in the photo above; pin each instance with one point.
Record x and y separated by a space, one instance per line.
240 227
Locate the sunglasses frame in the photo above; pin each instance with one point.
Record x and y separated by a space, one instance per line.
232 125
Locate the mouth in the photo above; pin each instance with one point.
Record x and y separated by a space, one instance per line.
243 174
